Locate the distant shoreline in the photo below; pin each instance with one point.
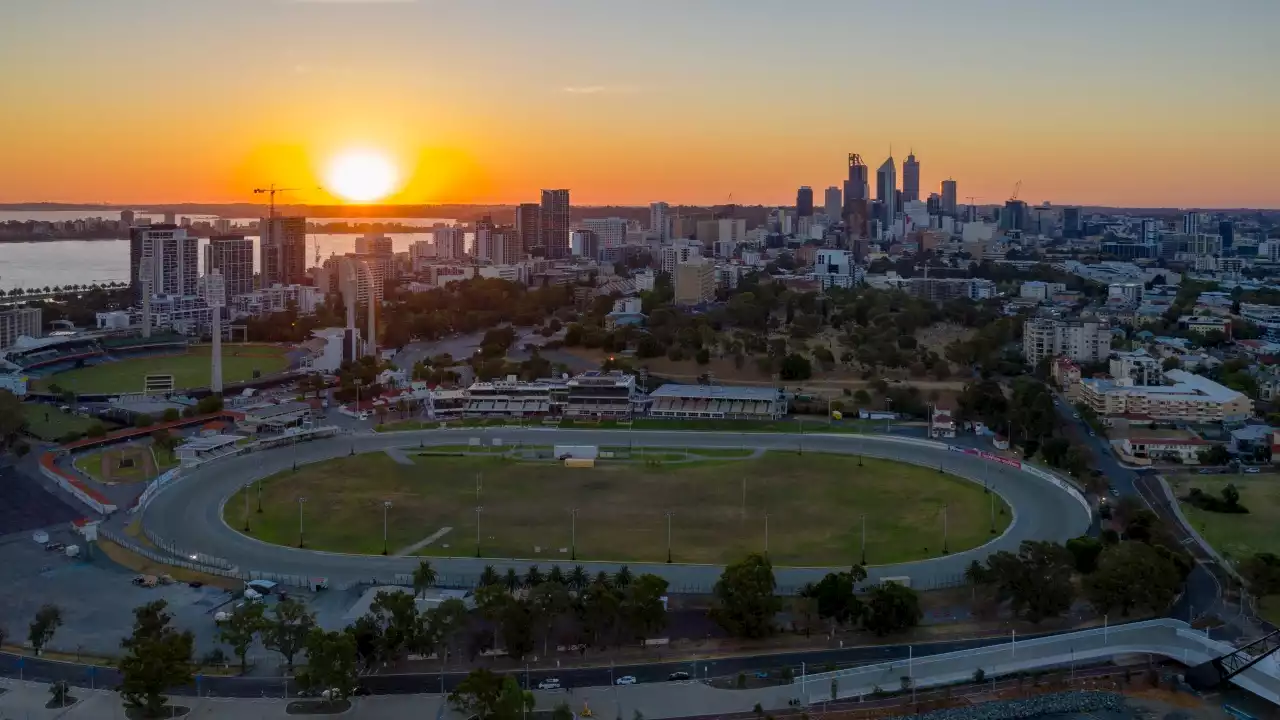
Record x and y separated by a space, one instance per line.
33 239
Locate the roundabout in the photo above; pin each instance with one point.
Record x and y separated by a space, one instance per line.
190 513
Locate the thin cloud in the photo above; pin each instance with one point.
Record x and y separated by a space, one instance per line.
597 90
351 2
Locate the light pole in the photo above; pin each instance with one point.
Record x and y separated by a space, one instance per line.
259 495
386 505
669 514
246 509
993 512
573 534
888 402
479 482
301 502
479 509
864 539
766 533
945 551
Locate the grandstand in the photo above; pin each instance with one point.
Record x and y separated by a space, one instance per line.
515 398
600 396
717 402
56 353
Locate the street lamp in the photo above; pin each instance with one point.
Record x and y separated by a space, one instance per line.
246 509
301 501
386 505
669 514
766 533
864 539
945 551
573 534
888 402
259 495
479 509
993 512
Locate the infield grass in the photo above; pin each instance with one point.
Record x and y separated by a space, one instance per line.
189 369
814 503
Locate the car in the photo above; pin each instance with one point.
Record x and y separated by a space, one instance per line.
1075 415
361 691
1092 434
678 676
626 680
1206 471
549 684
1113 492
55 546
1252 471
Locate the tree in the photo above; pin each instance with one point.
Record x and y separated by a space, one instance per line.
517 624
1231 495
1214 455
511 580
209 404
891 608
142 420
424 576
642 608
12 418
835 599
331 663
533 577
487 695
158 658
397 614
46 622
172 415
555 576
1133 575
578 578
1085 550
489 577
288 629
795 367
622 578
1037 581
241 627
1171 363
745 603
601 611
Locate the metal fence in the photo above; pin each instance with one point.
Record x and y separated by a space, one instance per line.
163 559
184 554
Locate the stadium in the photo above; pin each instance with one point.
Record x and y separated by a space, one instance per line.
102 365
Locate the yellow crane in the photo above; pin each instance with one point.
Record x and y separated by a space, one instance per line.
270 192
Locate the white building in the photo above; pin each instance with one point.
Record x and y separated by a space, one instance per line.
1185 397
1082 341
658 223
610 232
1130 293
278 298
19 322
517 273
645 280
1139 366
836 268
732 230
421 254
450 240
1038 290
678 252
113 320
174 260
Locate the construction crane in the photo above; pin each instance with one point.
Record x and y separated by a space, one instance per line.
1016 189
270 192
973 209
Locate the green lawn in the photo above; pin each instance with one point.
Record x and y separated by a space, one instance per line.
109 466
189 370
814 504
1234 535
47 422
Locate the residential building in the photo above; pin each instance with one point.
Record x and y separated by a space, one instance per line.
421 254
283 249
1202 324
1251 441
277 298
19 322
833 202
1191 223
1130 293
172 257
374 244
233 255
910 179
804 201
1138 366
1038 290
695 281
942 424
554 214
732 230
1066 374
1185 397
528 229
658 222
1181 446
676 253
943 289
450 240
358 278
837 268
1083 341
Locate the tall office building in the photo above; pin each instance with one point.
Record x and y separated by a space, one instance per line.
1227 230
555 223
283 251
804 201
170 217
610 232
658 213
1191 223
503 241
887 188
174 260
949 199
1014 216
528 228
910 179
483 247
451 241
857 200
126 219
833 202
233 256
1150 232
1071 225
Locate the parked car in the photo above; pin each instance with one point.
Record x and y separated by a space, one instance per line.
549 684
678 676
1252 471
1207 471
55 546
1075 415
626 680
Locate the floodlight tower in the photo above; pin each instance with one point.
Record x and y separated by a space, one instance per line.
215 298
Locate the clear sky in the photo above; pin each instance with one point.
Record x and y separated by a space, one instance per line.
1114 102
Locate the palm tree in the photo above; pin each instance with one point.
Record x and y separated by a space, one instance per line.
858 573
489 576
578 578
424 576
622 578
533 578
511 580
603 578
556 575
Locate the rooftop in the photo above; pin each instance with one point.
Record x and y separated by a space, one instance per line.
715 392
1183 383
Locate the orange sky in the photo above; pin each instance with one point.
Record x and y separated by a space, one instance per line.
625 107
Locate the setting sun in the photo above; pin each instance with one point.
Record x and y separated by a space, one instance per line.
361 176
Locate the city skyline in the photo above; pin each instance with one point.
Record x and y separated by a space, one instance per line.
1137 106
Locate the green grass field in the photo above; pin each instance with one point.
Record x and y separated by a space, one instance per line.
814 504
189 370
49 423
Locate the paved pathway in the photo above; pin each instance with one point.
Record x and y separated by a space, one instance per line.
398 455
189 512
424 542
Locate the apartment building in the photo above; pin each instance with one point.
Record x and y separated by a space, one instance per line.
1083 341
695 281
1185 397
18 322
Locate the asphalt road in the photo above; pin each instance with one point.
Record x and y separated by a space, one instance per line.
189 513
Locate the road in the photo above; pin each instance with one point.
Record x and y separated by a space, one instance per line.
189 513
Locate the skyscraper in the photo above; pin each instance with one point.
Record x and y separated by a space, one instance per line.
483 247
528 229
857 198
949 197
451 241
804 201
833 203
1227 230
555 223
283 251
910 179
887 188
658 224
1014 215
1071 222
173 256
1150 232
1191 223
610 232
126 219
233 256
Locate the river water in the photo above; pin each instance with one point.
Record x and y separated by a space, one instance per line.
83 262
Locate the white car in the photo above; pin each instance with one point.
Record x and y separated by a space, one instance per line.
1252 471
626 680
549 684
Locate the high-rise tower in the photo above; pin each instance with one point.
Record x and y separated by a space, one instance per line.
804 201
555 223
887 188
857 197
910 179
949 197
283 251
528 229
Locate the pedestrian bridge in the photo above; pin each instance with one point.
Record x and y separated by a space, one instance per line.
1172 639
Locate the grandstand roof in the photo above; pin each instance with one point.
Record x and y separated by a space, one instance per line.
715 392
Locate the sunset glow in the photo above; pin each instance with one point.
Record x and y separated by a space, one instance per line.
361 176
